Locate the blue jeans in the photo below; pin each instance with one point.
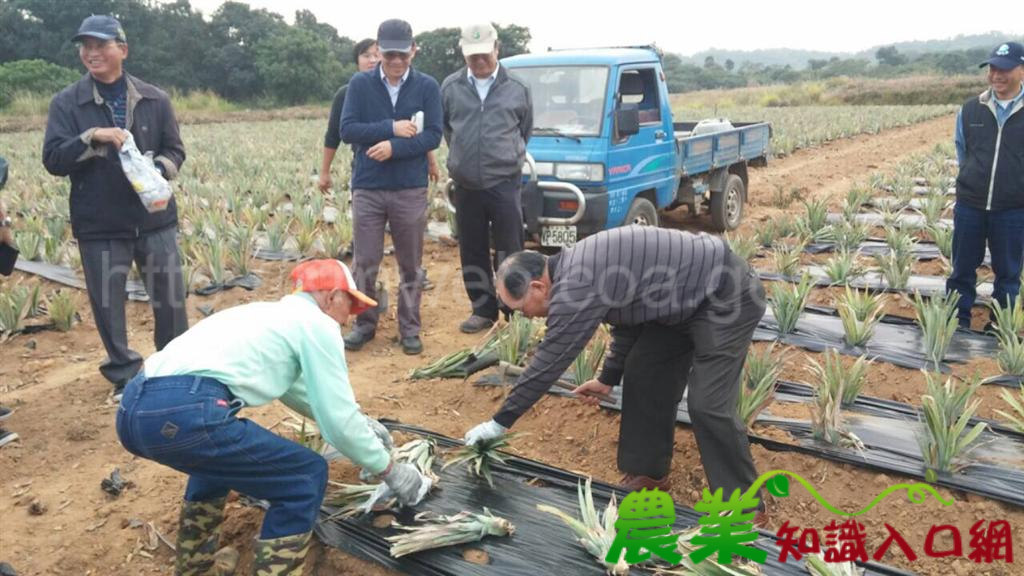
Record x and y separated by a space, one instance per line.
189 423
1003 231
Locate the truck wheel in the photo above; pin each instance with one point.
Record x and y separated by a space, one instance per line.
727 205
642 213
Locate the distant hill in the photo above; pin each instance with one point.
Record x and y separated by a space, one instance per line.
960 42
798 58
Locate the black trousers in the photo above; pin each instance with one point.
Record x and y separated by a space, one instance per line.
706 354
480 215
106 264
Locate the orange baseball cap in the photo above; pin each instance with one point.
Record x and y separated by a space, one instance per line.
327 275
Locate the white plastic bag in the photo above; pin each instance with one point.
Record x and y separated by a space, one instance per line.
153 190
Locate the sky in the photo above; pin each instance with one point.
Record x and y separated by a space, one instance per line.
683 27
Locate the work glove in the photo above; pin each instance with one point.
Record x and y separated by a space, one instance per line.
406 483
483 432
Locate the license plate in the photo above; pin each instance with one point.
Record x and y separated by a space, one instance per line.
558 236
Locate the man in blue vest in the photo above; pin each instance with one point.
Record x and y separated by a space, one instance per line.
990 187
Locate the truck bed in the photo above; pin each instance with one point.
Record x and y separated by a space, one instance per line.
746 141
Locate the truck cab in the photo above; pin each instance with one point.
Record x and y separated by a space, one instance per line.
604 151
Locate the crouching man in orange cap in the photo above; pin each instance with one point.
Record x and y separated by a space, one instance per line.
181 411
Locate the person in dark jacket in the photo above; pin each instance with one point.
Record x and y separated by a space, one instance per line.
8 252
366 57
990 186
488 116
87 124
392 117
8 256
682 309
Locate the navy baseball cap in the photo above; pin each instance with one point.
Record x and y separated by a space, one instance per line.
102 27
394 36
1006 56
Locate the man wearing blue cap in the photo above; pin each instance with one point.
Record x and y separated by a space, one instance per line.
87 124
990 187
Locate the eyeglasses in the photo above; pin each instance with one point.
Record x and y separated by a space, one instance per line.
395 55
95 44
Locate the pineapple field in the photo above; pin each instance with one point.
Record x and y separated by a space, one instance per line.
857 380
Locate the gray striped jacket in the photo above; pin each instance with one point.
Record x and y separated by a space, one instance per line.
626 277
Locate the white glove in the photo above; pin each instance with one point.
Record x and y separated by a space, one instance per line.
484 432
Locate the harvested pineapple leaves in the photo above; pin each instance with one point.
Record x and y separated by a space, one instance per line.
541 543
433 531
462 363
481 457
508 342
351 500
889 431
896 340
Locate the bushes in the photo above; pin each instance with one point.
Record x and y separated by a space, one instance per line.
32 76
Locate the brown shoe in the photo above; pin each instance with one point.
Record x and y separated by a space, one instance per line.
633 482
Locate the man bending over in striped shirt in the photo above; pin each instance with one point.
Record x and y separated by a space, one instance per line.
682 309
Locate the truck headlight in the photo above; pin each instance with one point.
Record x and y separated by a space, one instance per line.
585 172
543 169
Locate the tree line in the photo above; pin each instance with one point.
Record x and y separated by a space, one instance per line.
240 53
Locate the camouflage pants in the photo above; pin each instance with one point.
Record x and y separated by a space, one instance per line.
198 536
282 556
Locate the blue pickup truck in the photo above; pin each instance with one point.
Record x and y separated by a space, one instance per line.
605 151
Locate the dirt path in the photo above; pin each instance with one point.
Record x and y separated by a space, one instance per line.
827 171
68 443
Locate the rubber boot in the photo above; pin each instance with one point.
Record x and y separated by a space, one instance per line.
282 556
198 536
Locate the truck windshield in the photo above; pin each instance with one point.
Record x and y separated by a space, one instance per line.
567 100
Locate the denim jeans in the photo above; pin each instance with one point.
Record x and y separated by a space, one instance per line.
1003 232
190 424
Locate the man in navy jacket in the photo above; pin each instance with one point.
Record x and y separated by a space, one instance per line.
392 118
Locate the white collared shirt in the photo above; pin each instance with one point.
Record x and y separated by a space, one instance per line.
483 87
393 90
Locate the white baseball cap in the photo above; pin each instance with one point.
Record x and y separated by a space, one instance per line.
478 39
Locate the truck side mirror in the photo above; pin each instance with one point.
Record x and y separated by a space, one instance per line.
627 120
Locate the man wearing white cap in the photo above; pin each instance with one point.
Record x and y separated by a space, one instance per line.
181 411
488 116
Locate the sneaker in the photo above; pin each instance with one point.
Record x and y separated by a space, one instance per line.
5 413
7 437
634 482
425 283
475 324
412 345
356 339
